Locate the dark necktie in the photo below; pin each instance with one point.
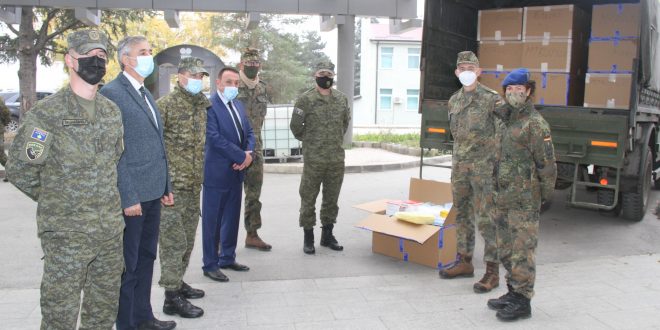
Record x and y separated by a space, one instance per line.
144 96
237 122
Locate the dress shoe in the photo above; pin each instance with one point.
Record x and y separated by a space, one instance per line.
463 268
175 303
308 244
236 267
217 275
253 241
189 292
155 324
328 239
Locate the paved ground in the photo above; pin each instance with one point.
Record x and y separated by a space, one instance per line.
593 272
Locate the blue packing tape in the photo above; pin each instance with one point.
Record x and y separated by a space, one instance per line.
400 244
542 101
544 80
614 68
405 256
441 235
619 9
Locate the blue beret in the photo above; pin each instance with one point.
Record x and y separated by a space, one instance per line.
516 77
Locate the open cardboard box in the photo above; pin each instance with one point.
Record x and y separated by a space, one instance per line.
433 246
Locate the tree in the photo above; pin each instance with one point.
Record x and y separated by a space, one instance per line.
287 58
40 34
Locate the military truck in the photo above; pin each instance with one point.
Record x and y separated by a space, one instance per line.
607 158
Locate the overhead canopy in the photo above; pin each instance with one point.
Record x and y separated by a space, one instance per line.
401 9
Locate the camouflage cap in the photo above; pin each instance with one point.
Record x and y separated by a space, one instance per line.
325 66
250 54
82 41
193 65
467 57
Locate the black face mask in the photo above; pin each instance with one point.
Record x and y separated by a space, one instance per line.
91 69
251 71
324 82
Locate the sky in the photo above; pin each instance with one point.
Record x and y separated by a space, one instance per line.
51 78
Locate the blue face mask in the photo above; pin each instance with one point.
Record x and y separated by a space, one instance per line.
145 65
194 86
230 92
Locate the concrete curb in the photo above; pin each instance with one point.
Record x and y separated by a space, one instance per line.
297 168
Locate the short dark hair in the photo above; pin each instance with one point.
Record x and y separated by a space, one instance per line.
227 68
530 84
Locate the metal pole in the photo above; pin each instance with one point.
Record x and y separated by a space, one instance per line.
346 67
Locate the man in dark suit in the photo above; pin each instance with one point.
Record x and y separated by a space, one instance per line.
228 152
143 182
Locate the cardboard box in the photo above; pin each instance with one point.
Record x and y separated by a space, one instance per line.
433 246
612 56
615 20
551 88
548 56
500 24
500 55
555 22
604 90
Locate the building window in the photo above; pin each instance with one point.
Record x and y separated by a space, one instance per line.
385 98
413 58
386 54
412 99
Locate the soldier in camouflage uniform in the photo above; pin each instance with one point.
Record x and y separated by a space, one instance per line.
525 175
184 131
65 157
320 120
253 92
5 118
473 128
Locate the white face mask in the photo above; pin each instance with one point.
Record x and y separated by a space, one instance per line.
467 78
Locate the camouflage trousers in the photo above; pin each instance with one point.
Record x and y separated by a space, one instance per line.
254 177
3 155
517 238
329 175
473 200
178 227
74 262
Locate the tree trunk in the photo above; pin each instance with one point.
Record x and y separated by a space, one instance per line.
27 55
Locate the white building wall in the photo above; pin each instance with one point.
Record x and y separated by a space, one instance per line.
367 110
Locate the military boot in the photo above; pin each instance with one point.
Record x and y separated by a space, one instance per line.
308 246
328 239
502 301
253 241
518 307
463 268
175 303
189 292
490 280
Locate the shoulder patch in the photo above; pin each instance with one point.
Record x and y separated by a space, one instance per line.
298 111
39 134
34 150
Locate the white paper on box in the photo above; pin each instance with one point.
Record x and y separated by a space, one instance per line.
498 35
501 43
547 8
499 67
611 103
586 80
611 78
586 105
544 67
546 35
546 41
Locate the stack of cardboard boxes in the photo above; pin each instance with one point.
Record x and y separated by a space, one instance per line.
550 41
612 48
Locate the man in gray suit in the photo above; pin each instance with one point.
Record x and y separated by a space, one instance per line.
143 182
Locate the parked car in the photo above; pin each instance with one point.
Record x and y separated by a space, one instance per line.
12 101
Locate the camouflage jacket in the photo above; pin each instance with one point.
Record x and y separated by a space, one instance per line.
320 122
184 131
525 168
67 162
5 116
473 126
255 101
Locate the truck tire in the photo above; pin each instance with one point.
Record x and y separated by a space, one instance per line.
606 197
634 204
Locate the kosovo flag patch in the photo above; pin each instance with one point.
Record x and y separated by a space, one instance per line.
39 134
